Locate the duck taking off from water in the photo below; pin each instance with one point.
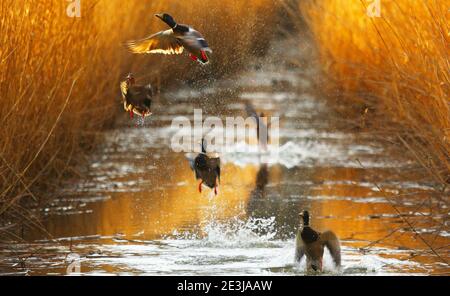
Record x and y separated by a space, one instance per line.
173 41
311 243
207 169
137 99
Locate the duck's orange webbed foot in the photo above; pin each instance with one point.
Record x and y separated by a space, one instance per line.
215 190
193 57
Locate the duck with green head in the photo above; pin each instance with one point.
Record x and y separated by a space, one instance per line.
173 41
311 243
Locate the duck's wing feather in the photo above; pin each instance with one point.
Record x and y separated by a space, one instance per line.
123 89
191 158
163 42
299 248
193 39
218 172
193 163
331 241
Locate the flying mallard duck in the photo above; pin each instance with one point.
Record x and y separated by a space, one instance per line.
137 99
173 41
207 169
311 243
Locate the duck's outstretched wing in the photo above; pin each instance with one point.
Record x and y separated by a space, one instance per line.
191 159
331 241
123 89
163 42
299 248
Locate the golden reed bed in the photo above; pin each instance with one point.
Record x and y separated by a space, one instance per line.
401 59
59 76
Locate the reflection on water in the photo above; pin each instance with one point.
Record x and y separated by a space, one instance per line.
139 210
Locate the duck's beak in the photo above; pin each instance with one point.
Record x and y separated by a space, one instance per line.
159 15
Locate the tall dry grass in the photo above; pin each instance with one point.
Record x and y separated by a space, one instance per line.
59 78
396 65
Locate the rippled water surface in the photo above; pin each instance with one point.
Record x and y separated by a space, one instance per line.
138 210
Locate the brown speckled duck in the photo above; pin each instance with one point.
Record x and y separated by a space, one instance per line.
137 99
173 41
311 243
